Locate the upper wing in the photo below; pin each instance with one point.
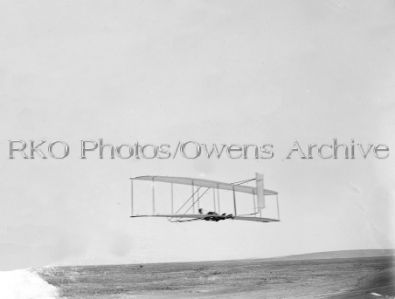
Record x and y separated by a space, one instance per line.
203 183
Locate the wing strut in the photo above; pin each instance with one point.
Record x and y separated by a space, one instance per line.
172 199
131 196
218 201
153 196
234 201
214 204
278 208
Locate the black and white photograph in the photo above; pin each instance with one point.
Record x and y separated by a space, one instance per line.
197 149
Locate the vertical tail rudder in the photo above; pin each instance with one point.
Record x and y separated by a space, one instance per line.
260 193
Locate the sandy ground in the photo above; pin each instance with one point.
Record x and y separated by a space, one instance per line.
338 278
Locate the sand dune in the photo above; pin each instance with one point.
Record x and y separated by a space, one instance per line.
367 274
339 274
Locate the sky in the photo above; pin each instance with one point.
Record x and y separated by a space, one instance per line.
210 71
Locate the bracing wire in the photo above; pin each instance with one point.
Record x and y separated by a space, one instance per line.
190 197
197 200
201 195
196 192
243 181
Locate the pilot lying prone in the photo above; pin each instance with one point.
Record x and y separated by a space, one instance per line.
213 216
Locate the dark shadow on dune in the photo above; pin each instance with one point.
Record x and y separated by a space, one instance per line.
377 285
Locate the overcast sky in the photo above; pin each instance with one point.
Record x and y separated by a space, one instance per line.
210 71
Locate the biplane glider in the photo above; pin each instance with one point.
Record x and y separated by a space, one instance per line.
205 200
